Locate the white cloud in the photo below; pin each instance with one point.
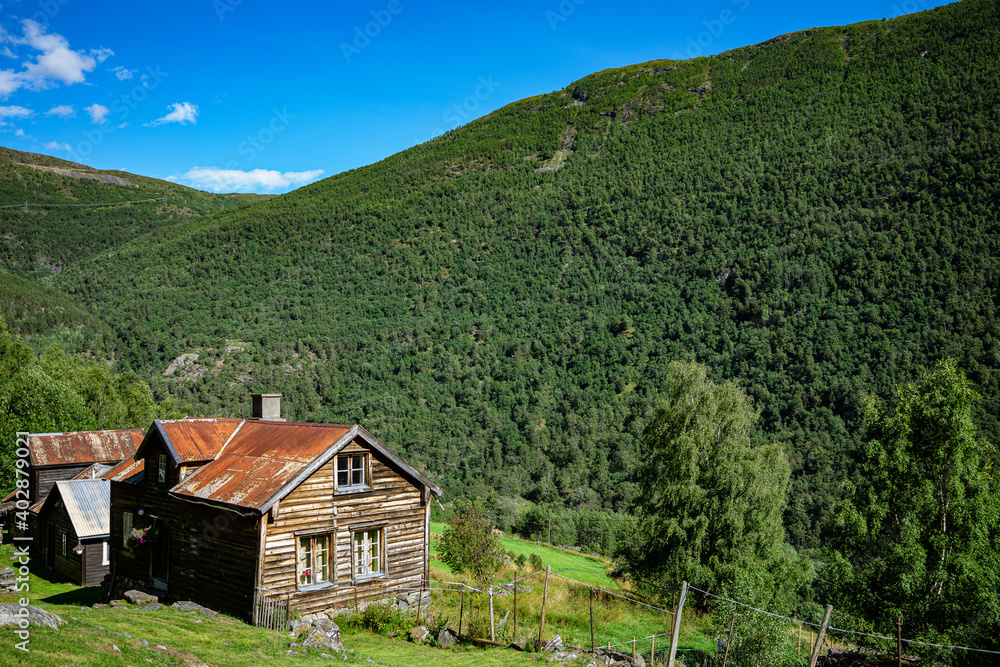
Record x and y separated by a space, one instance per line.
55 63
101 54
98 113
5 51
183 113
56 146
63 111
19 133
15 112
123 73
256 180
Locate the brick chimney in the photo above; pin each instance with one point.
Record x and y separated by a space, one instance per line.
267 407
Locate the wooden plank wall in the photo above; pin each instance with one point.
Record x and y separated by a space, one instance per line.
213 551
69 565
46 477
393 502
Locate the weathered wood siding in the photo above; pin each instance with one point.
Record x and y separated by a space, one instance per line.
392 503
46 477
212 551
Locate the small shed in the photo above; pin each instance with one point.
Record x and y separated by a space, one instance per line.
76 524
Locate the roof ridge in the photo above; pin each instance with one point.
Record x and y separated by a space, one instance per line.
229 440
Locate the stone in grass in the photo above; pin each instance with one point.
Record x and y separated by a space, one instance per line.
419 634
11 614
297 627
553 645
140 598
521 644
187 605
152 606
324 635
447 637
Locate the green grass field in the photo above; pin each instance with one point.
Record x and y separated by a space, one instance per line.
129 636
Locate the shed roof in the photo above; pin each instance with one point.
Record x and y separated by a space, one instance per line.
267 460
51 449
88 503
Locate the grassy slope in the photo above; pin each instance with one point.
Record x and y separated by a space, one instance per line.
90 635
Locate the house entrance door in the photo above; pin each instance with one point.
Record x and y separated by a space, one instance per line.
160 558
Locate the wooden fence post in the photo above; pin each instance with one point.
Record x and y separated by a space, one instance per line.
899 641
493 632
817 647
514 635
545 597
591 620
633 646
652 650
420 601
461 611
676 633
729 641
357 608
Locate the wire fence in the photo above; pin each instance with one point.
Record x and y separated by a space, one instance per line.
856 633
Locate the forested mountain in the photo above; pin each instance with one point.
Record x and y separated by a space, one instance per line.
54 212
814 216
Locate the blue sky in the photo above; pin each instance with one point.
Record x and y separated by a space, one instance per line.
253 96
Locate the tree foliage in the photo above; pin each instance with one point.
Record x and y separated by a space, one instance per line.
814 216
58 392
470 546
922 528
710 501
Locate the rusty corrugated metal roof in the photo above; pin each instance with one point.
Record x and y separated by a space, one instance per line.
261 459
191 440
50 449
88 503
125 470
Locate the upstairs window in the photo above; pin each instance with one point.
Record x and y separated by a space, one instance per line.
352 472
161 468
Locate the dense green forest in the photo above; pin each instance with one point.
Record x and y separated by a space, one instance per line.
814 217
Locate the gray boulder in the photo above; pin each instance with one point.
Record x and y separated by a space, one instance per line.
187 605
324 635
521 644
152 606
8 579
13 614
297 627
419 634
553 645
139 598
447 637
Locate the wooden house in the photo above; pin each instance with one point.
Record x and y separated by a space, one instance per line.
76 517
231 513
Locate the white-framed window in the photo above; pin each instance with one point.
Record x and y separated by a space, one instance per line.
367 552
105 553
126 527
63 537
352 472
315 561
161 468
